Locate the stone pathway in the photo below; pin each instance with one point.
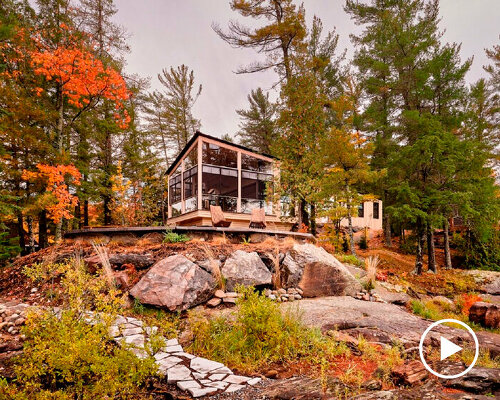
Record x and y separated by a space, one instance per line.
196 375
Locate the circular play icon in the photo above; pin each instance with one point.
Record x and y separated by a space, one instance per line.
448 348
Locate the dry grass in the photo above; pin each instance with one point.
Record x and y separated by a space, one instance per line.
371 264
220 240
214 266
102 253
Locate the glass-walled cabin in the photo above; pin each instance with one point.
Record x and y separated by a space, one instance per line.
211 171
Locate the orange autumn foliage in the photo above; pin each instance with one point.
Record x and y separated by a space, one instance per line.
54 179
81 76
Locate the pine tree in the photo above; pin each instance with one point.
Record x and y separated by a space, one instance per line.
278 39
258 122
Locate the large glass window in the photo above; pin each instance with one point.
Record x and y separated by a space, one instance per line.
361 210
376 210
220 187
175 191
254 191
250 163
191 159
191 189
217 155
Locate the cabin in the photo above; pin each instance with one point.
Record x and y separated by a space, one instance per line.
211 171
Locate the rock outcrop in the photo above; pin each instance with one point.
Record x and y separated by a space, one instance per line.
242 268
175 283
486 314
317 272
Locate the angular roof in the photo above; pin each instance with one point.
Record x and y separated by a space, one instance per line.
199 134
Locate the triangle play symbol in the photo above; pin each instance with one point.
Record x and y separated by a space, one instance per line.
448 348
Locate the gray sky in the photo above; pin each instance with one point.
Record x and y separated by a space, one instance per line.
168 33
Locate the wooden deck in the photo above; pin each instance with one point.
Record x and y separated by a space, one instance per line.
143 230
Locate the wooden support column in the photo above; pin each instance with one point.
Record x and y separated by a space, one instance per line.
238 165
183 202
169 207
200 173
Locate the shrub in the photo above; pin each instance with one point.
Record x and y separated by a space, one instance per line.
349 259
257 335
69 355
172 237
465 301
66 357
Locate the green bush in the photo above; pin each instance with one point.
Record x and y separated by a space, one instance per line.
71 355
172 237
67 358
349 259
259 334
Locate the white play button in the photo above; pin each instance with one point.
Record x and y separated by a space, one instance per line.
448 348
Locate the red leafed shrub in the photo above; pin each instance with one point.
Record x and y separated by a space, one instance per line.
465 302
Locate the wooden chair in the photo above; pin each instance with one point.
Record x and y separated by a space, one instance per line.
258 218
218 218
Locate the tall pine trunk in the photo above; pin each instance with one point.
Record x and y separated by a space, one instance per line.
31 234
387 230
349 228
447 254
419 259
313 219
20 228
42 229
431 253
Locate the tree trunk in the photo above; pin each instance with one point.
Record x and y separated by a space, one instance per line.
313 219
431 253
350 231
77 224
419 260
85 213
447 254
20 228
31 234
387 230
42 229
303 216
58 233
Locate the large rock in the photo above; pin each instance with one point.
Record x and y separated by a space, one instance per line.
317 272
175 283
486 314
493 287
247 269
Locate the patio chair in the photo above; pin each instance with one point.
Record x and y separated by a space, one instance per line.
258 218
218 218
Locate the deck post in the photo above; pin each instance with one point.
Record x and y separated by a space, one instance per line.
238 166
200 172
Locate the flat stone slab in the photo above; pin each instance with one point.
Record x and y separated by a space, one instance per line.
174 349
234 388
237 379
201 392
165 364
217 377
178 373
185 385
204 366
219 385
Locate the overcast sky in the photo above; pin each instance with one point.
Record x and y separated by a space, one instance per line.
168 33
